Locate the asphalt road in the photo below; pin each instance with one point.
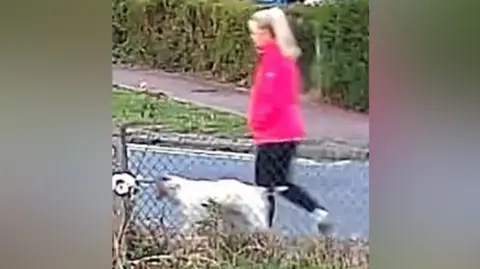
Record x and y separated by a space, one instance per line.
342 186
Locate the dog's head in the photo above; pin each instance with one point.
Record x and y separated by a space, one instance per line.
125 184
168 186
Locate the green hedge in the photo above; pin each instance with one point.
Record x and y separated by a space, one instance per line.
211 37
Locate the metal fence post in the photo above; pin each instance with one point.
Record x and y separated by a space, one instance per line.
123 157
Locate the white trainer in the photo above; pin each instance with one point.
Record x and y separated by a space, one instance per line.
322 217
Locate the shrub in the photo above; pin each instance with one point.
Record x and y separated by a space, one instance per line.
187 36
211 37
340 72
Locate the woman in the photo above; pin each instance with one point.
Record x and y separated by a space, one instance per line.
274 115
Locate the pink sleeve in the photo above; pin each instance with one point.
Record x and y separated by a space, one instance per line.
270 91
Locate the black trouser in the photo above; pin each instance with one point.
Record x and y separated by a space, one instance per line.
272 168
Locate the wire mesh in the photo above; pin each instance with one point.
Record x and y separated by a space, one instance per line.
150 224
341 186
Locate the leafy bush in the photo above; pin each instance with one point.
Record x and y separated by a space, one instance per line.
340 72
211 37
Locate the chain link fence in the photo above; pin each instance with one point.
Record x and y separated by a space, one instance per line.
150 224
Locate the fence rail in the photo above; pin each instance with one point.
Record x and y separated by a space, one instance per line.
317 149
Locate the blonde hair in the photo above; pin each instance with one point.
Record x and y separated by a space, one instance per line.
276 21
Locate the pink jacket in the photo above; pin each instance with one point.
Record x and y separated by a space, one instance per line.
274 113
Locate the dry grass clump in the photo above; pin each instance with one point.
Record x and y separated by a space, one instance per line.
139 246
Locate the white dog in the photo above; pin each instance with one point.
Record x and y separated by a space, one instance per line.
240 202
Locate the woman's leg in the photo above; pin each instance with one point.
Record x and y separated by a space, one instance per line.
263 176
283 156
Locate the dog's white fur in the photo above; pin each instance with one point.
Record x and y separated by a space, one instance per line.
242 204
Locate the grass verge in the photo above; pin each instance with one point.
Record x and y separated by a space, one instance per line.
173 116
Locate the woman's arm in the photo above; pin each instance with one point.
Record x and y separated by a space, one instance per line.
270 91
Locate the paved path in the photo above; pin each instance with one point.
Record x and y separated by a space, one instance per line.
322 122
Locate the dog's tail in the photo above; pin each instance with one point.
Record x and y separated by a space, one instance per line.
277 189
